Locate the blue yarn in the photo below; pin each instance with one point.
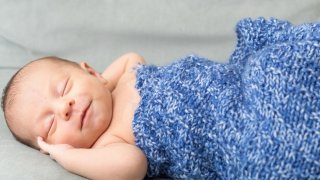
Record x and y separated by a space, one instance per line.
256 117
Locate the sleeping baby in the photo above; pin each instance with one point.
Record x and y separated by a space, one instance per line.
255 117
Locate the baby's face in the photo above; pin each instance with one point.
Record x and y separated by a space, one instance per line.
62 104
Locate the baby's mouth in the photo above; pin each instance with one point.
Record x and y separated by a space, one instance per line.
84 114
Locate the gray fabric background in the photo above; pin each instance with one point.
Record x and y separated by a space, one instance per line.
99 31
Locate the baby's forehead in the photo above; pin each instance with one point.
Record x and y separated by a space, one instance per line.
35 69
43 64
36 75
43 69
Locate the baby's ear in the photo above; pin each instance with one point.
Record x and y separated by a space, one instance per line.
93 72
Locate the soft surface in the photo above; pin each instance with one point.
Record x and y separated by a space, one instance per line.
98 31
256 117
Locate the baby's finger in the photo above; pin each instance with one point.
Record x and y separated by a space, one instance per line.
43 152
43 145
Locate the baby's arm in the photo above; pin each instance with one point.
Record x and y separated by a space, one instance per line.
114 161
119 67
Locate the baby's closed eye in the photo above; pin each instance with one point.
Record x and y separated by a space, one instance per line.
51 126
64 87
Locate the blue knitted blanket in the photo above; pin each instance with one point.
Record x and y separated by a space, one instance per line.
256 117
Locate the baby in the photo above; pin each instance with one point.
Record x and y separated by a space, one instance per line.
255 117
88 114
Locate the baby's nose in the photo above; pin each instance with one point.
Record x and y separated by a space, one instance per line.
66 110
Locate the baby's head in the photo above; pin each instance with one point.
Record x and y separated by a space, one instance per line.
61 101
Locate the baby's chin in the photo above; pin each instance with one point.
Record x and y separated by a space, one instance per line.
83 144
89 143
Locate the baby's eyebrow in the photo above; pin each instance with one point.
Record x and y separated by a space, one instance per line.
53 83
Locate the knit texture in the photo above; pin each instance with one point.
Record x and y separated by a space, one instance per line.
256 117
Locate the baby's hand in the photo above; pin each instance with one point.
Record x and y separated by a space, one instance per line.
54 150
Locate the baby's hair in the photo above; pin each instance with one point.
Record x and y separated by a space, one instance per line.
11 90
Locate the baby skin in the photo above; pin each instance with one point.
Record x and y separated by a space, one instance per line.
83 119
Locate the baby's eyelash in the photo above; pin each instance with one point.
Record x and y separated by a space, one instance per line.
51 124
65 87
